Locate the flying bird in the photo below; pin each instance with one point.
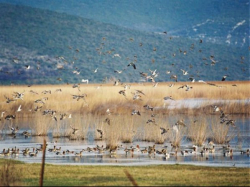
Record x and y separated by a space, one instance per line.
135 112
107 120
101 133
19 108
168 98
224 77
132 64
163 130
74 129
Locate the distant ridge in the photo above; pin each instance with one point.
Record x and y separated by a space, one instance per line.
56 44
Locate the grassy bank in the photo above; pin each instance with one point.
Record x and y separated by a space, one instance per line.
162 175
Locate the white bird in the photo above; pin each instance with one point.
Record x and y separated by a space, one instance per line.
117 71
85 80
2 114
116 55
76 72
175 128
184 72
95 70
108 111
27 66
19 108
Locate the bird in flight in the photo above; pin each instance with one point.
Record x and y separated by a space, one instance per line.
135 112
74 129
224 77
19 108
168 98
163 130
132 64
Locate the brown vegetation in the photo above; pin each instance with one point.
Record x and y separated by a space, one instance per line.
88 108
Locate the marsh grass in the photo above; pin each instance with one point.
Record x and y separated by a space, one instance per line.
127 128
198 130
41 125
91 112
220 133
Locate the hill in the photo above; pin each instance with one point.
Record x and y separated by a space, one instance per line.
221 22
56 44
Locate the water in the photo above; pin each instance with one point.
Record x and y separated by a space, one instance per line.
217 159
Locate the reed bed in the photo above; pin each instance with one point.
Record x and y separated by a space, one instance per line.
198 131
220 133
89 104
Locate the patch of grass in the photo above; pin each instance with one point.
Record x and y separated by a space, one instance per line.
10 173
153 175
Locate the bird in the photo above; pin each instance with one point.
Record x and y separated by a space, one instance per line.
27 66
19 108
180 122
230 122
107 120
10 117
79 154
168 98
132 64
116 55
135 112
95 71
191 79
101 132
147 107
174 77
216 108
14 130
8 99
163 130
224 77
118 71
74 130
171 85
76 72
184 72
151 121
123 92
85 80
108 112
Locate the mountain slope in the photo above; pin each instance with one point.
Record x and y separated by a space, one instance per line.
56 44
222 22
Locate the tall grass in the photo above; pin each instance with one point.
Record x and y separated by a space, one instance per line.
220 133
10 175
198 130
90 112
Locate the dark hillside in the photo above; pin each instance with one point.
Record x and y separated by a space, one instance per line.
56 44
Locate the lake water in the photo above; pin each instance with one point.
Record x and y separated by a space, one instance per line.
238 144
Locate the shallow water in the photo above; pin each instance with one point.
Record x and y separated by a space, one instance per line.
138 158
217 159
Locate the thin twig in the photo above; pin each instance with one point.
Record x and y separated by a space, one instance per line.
130 178
43 163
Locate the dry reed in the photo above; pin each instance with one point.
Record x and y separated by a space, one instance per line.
198 130
220 133
90 111
10 175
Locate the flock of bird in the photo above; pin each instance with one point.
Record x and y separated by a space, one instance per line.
137 95
210 149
